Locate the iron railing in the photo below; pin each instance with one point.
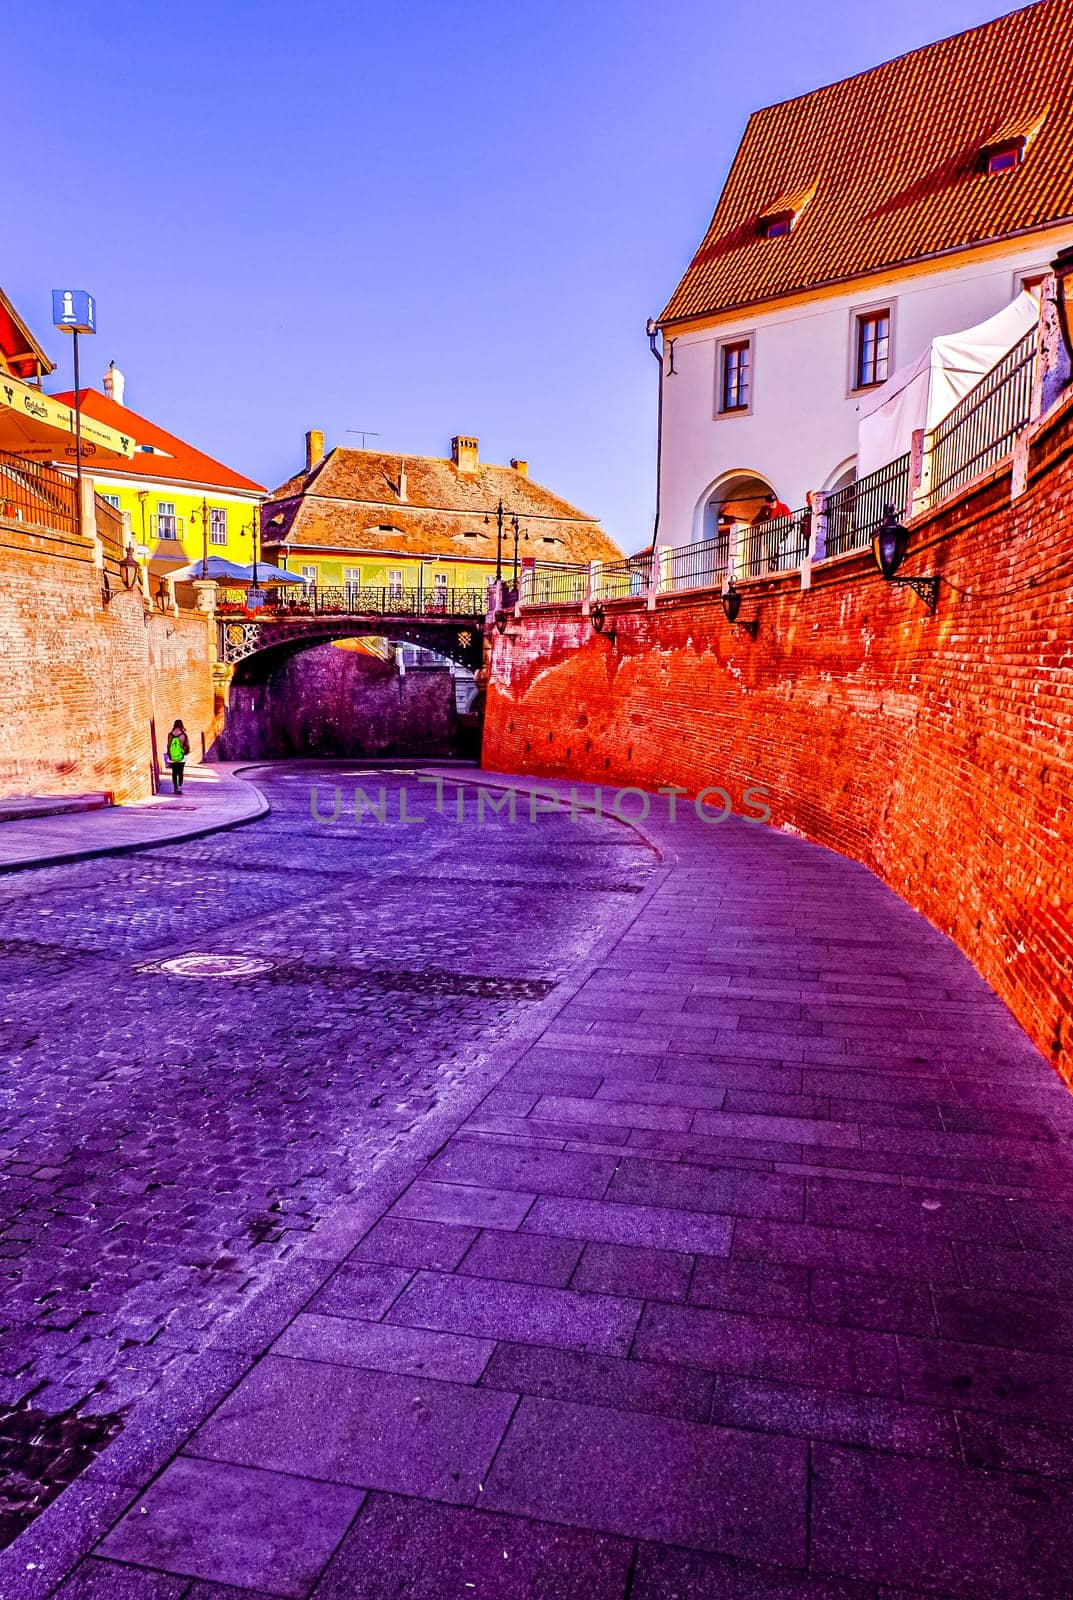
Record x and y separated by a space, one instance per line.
110 530
703 565
349 600
35 493
983 426
553 586
620 580
777 545
855 512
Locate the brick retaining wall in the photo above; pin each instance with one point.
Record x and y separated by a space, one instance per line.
80 678
936 750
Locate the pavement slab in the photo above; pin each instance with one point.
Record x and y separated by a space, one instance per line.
710 1240
247 1529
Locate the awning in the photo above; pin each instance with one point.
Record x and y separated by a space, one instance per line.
35 425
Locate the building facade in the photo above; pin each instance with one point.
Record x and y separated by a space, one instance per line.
179 502
858 223
375 520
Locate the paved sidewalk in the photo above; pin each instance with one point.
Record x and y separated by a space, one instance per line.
213 797
751 1277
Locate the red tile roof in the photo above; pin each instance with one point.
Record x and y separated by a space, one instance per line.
350 499
177 461
894 155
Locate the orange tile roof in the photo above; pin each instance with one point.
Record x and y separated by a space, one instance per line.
179 461
894 156
347 501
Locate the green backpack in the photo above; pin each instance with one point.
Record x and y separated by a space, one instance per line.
175 749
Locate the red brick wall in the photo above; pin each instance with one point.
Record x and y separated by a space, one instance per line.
75 690
936 750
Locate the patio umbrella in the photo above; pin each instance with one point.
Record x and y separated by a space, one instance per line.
216 567
268 574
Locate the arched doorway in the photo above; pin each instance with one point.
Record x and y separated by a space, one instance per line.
727 508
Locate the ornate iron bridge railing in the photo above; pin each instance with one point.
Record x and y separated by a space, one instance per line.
353 600
855 512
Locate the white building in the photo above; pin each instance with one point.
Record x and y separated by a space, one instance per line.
858 223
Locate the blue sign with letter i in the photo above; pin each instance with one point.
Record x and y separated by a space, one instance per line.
74 311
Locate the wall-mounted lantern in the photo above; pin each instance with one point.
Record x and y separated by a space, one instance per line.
129 571
501 620
889 545
598 618
731 602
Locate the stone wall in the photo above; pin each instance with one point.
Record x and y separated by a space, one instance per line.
327 701
80 678
936 750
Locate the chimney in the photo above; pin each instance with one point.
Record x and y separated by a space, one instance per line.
464 452
314 449
402 481
521 467
114 383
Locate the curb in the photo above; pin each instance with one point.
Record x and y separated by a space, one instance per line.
129 847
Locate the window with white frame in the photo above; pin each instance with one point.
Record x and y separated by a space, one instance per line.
217 525
871 358
309 572
167 525
394 581
352 577
735 360
111 499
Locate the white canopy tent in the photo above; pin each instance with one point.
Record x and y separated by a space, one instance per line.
923 393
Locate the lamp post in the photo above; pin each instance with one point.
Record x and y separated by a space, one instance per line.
74 312
501 514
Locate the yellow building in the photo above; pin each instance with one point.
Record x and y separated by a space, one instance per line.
180 502
371 519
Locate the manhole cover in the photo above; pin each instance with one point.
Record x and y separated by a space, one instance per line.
213 966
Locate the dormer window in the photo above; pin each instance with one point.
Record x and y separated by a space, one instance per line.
1004 149
780 217
1005 159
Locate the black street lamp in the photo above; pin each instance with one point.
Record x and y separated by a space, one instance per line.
731 602
890 543
129 570
500 514
598 618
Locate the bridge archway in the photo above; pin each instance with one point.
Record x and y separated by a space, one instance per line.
241 643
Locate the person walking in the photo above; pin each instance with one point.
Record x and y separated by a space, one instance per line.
178 750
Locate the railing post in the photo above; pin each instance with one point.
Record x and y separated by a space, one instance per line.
590 588
817 529
918 487
653 577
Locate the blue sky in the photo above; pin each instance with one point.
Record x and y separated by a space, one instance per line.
414 218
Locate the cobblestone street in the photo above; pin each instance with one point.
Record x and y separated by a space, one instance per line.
165 1140
695 1223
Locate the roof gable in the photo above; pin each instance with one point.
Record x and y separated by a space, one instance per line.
893 159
